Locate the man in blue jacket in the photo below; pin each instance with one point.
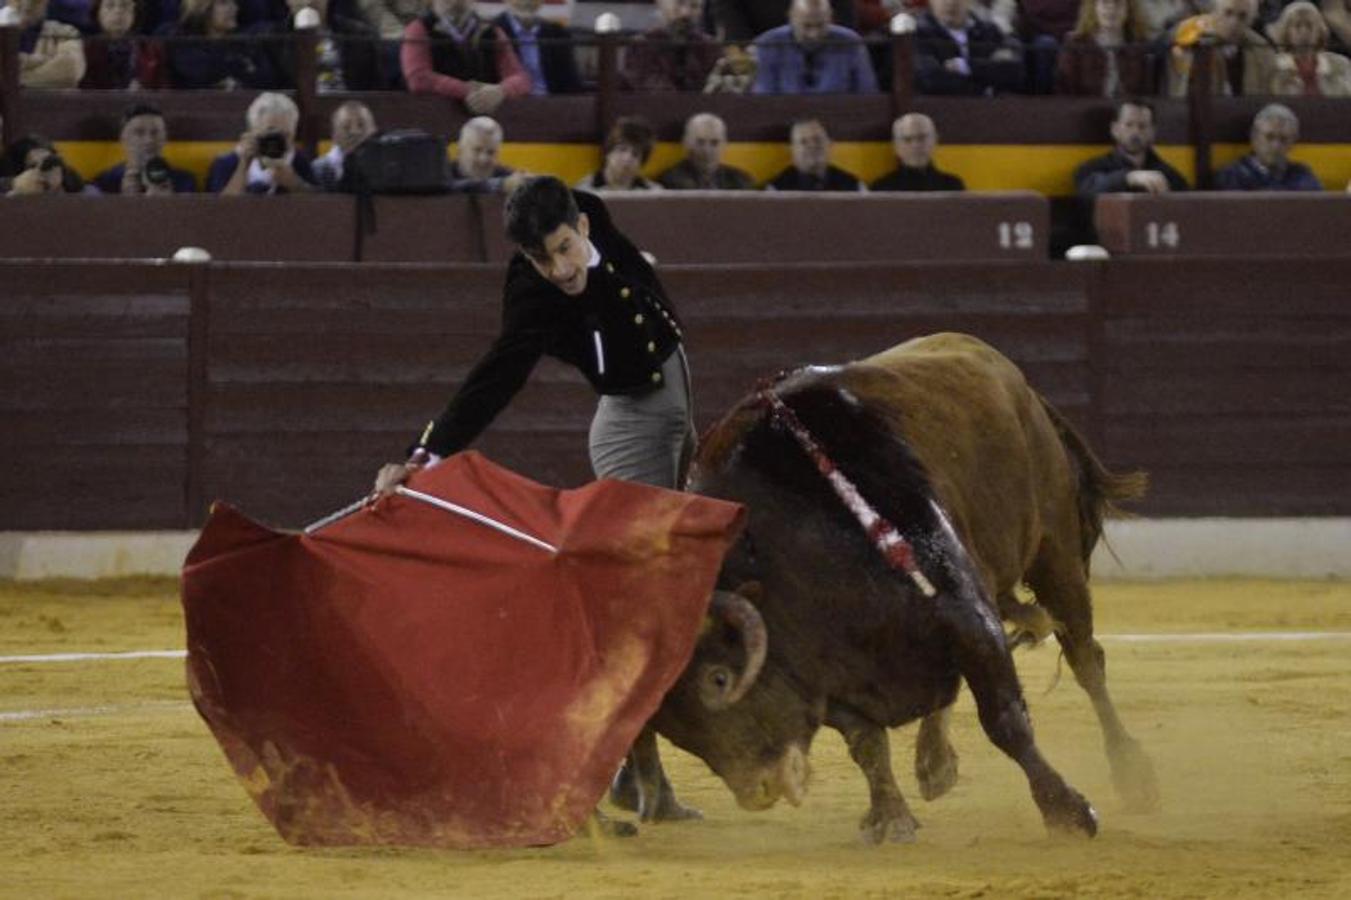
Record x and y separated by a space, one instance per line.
1275 129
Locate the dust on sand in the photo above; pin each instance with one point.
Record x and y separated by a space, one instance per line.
119 790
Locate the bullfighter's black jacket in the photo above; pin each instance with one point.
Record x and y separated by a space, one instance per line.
617 332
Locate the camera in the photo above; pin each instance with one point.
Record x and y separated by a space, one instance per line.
155 172
272 145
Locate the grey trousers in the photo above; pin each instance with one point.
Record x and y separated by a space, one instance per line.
649 439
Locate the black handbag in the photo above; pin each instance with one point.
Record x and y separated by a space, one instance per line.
402 161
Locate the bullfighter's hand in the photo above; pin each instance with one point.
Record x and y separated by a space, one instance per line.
390 476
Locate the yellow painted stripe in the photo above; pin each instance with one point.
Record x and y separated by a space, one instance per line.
1047 168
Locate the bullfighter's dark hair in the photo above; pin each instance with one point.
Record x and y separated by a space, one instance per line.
536 209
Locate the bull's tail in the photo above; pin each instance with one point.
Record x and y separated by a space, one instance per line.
1100 490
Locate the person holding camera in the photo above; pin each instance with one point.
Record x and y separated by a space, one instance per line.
36 168
265 161
143 169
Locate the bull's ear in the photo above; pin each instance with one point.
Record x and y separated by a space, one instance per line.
753 591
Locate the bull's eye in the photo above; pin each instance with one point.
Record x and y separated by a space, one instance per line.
715 685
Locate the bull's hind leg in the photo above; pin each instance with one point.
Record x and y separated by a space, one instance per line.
1059 582
888 817
935 758
985 662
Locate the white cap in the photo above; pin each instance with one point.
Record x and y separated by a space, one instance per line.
8 16
903 23
307 17
191 255
607 23
1086 252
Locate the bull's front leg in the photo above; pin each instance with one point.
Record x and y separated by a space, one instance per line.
642 786
888 817
985 662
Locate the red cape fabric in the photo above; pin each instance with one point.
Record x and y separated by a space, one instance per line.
409 676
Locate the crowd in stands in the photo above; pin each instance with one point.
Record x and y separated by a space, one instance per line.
266 160
1107 48
1122 49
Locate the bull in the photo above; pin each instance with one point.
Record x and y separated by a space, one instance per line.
989 486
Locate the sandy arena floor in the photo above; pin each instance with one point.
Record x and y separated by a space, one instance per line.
110 786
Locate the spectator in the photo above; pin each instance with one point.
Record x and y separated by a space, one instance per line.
391 17
1275 129
346 49
703 168
1106 54
957 53
627 148
1302 66
1132 166
544 48
477 168
157 16
1047 19
741 21
265 161
451 51
914 137
50 52
201 56
1043 24
38 169
1163 15
143 169
117 57
676 55
809 55
811 169
351 124
1241 58
1337 13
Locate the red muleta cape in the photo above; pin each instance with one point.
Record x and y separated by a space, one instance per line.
409 676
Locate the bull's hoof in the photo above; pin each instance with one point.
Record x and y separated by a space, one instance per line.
892 826
1066 811
601 825
669 809
935 769
1134 778
628 795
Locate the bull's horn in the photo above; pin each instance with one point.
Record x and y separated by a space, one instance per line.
738 612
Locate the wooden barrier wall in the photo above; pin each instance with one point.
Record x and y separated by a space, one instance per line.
695 227
132 394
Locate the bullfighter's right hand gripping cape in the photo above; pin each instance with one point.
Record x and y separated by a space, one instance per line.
410 676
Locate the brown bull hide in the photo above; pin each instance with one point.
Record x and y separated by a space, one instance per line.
943 436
